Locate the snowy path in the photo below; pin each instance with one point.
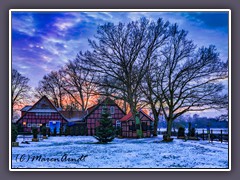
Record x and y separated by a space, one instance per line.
121 153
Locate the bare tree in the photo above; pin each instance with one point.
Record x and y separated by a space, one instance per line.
20 89
52 86
188 79
79 83
122 53
148 86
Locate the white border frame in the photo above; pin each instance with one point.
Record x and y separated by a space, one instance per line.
122 10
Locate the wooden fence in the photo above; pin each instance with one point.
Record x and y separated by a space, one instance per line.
214 135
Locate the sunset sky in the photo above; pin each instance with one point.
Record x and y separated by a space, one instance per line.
45 41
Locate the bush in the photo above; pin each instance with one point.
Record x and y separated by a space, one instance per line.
44 131
14 133
35 132
181 132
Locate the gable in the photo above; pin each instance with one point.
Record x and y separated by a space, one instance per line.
143 116
43 105
98 108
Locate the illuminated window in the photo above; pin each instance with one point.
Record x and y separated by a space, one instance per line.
29 125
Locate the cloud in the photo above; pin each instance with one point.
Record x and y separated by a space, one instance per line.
44 41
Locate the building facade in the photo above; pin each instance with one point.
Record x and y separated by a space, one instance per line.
128 125
44 113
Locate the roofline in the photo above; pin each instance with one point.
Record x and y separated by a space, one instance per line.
25 107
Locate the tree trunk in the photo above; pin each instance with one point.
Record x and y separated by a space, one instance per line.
155 126
169 127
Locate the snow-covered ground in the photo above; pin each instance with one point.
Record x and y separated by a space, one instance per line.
83 152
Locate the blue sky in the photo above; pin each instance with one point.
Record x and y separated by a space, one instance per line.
45 41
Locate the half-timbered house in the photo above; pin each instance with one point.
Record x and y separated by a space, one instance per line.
94 115
42 113
129 127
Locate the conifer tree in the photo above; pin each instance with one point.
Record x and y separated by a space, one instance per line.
105 132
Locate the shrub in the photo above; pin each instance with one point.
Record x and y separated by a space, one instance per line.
14 133
181 132
44 131
35 132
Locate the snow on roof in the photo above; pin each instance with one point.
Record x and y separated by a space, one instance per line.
72 116
42 110
26 108
74 119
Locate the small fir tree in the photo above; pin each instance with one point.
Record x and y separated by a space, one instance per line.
105 132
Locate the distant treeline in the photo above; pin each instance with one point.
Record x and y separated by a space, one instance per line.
196 121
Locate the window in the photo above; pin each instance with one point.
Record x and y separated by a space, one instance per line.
29 125
47 124
38 125
34 125
112 109
118 123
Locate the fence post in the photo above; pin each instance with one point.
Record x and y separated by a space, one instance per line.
211 136
203 133
221 136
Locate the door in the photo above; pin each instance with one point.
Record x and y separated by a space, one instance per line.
53 125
